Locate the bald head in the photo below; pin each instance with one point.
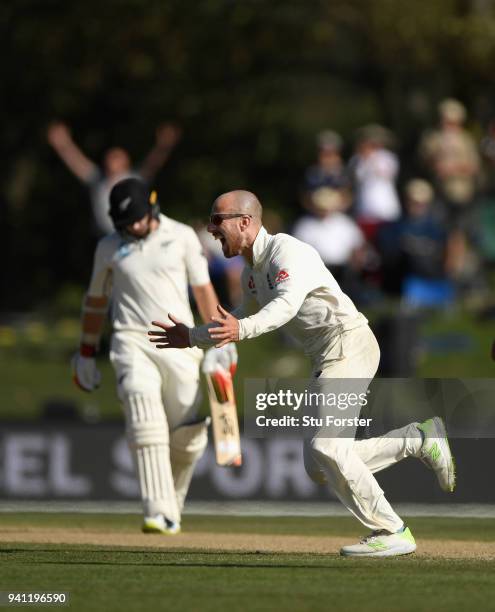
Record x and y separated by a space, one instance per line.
239 223
239 201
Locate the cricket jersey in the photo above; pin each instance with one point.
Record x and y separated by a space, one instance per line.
289 285
150 276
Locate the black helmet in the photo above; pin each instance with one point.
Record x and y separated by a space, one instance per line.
130 200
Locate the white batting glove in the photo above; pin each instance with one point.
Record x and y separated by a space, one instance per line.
224 358
85 373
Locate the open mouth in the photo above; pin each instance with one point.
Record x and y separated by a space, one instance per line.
220 237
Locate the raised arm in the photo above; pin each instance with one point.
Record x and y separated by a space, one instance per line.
59 137
167 137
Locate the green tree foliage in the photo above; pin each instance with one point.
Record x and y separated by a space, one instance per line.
250 81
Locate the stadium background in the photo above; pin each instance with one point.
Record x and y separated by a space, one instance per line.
250 83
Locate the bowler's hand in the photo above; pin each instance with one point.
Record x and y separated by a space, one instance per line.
226 330
172 336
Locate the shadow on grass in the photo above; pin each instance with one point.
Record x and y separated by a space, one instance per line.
248 559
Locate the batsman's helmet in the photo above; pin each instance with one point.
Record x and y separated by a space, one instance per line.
130 200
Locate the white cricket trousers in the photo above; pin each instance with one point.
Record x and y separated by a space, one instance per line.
347 465
159 390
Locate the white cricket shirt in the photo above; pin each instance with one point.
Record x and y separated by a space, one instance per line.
289 285
148 278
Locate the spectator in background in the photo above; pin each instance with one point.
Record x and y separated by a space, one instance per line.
116 166
329 170
374 169
452 160
488 152
414 250
335 236
487 201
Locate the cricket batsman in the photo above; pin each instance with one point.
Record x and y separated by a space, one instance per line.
144 265
285 283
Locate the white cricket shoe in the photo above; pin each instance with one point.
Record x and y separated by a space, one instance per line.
382 544
435 452
160 524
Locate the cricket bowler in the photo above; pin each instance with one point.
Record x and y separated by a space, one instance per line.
144 265
285 283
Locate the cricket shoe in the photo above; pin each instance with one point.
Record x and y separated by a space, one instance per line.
160 524
382 544
435 452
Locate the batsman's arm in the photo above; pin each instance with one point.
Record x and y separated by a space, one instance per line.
93 317
200 336
94 309
85 373
96 301
206 300
199 276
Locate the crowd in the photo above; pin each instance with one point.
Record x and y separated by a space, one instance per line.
380 231
427 242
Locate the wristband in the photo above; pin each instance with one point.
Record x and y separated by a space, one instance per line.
87 350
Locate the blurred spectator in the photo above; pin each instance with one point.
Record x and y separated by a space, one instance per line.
414 250
374 169
329 170
116 166
488 151
452 159
335 236
487 202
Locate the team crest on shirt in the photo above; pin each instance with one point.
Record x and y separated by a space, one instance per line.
281 277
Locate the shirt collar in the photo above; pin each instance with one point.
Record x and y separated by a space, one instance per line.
260 246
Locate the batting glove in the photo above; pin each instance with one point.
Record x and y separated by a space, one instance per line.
84 371
223 358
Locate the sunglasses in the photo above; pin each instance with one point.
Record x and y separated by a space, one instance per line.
217 218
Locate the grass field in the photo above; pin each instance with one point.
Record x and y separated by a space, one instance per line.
245 563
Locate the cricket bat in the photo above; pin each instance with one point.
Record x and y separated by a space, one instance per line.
226 437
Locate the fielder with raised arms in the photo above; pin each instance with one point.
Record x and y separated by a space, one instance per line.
286 283
144 266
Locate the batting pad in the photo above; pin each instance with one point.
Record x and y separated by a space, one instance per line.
187 444
148 436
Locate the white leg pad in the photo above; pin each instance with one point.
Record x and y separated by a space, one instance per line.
187 444
148 436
